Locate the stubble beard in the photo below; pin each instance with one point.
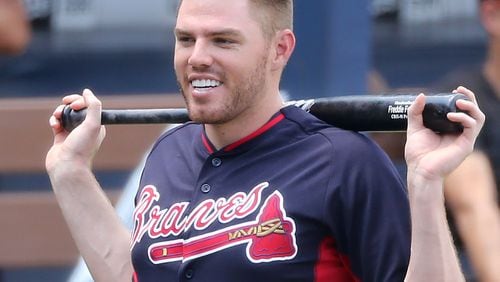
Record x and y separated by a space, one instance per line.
242 97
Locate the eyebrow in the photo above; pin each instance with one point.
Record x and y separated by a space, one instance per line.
222 32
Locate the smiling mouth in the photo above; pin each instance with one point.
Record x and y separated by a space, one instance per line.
203 84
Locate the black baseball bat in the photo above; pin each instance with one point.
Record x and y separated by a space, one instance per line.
358 113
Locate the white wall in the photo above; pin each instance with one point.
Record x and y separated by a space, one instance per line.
103 14
421 11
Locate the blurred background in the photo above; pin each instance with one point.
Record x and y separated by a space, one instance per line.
125 47
122 48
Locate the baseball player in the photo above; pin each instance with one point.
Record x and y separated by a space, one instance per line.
253 190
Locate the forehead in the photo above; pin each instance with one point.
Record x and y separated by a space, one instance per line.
215 13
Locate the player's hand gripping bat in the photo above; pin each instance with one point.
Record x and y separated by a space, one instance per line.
358 113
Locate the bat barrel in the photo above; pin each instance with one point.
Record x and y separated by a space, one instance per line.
386 112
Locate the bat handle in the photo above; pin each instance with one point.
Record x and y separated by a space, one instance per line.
71 118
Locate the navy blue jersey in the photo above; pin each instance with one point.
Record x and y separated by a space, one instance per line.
297 200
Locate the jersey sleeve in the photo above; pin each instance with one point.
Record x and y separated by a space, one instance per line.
367 210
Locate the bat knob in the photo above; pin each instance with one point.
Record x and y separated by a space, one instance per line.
435 113
71 119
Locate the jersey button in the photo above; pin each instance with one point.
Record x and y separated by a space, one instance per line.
216 162
189 273
205 188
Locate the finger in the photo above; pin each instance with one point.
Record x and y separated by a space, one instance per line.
58 111
464 119
472 110
472 119
55 124
57 129
75 101
467 92
79 104
71 98
55 118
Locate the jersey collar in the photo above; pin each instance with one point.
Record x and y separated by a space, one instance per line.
231 147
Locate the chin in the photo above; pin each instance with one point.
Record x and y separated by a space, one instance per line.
207 117
201 116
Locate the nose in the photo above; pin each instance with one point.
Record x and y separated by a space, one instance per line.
200 56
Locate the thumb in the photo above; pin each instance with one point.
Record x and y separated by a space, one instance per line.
415 119
94 108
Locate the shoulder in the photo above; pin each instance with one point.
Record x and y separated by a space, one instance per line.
357 163
179 134
343 145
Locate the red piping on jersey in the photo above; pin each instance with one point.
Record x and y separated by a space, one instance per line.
332 265
207 144
242 141
256 133
135 278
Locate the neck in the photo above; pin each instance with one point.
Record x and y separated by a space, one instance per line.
245 123
492 67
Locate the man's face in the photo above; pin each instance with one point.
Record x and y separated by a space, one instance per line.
220 59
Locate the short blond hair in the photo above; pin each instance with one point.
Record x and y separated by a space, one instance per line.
274 15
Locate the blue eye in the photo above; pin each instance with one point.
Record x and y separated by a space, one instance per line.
223 41
185 39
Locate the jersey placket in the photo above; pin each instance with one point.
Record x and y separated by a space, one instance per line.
203 190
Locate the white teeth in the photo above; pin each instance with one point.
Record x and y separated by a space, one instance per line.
203 83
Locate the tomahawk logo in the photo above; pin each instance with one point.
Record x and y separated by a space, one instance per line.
270 237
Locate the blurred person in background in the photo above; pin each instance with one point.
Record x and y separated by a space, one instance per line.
470 195
472 190
15 30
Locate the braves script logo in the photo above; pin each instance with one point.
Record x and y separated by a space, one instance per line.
270 237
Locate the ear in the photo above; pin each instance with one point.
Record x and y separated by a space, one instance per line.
490 17
283 47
